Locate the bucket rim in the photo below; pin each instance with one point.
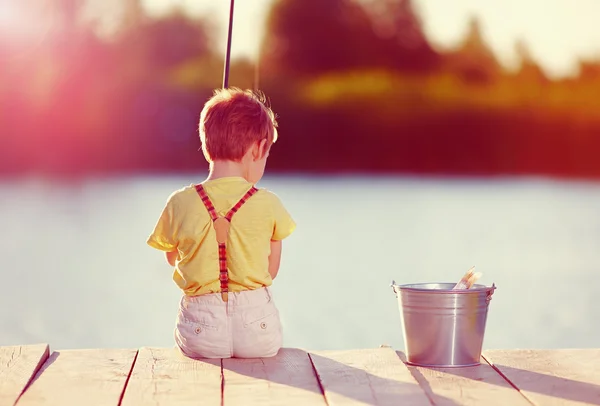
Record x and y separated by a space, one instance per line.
414 287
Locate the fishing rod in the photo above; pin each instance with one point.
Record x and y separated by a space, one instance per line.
228 52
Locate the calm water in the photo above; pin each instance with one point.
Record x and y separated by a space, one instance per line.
75 270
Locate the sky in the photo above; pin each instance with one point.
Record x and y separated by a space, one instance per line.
558 32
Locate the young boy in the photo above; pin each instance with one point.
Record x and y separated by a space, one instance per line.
224 236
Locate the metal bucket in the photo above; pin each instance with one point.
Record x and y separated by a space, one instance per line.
443 327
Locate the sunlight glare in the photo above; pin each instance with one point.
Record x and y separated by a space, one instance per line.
9 14
24 24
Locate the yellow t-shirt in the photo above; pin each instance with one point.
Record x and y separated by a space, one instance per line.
185 225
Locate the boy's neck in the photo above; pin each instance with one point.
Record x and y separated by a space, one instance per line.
226 169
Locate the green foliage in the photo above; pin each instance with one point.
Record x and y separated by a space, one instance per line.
356 86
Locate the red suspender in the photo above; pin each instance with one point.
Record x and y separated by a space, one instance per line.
221 225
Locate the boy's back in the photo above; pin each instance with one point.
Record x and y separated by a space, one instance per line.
185 224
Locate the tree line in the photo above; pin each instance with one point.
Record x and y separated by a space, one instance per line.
357 88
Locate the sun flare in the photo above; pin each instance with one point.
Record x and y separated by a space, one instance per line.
9 14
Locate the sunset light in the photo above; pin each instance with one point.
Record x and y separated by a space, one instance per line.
9 15
24 24
146 207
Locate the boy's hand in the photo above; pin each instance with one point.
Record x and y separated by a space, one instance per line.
275 258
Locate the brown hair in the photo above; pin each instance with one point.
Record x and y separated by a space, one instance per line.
232 120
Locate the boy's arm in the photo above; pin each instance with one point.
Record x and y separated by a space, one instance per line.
164 237
171 257
275 258
283 226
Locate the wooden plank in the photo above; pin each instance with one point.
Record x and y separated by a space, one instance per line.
552 377
18 366
366 377
479 385
81 377
163 376
286 379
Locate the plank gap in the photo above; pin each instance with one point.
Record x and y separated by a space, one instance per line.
368 376
467 386
75 377
165 376
37 370
318 378
128 377
222 384
508 380
287 378
419 377
553 377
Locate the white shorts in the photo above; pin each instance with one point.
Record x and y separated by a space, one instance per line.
247 326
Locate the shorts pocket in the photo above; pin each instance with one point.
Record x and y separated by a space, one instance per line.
263 318
260 335
198 327
197 323
200 339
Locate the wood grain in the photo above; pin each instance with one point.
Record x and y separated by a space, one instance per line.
552 377
366 377
286 379
163 376
478 385
18 366
80 377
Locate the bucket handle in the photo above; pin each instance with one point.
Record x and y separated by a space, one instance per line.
393 286
488 299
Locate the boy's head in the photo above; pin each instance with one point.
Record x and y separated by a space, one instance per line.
233 121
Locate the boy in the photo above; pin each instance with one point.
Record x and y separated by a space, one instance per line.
224 236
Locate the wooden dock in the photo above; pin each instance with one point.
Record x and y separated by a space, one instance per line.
34 375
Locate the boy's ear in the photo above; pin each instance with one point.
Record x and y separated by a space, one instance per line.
259 150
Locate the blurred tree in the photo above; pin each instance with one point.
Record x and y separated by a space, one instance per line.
529 70
305 37
74 101
165 43
133 13
403 44
69 11
589 70
474 61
